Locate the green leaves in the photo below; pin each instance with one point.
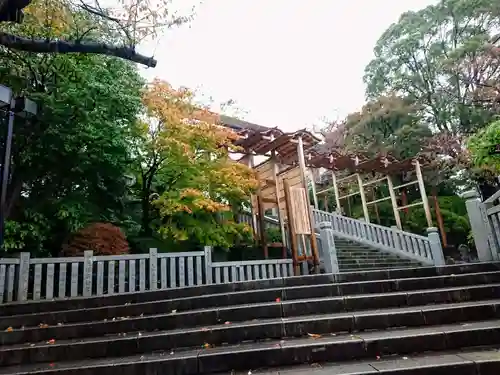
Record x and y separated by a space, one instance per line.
480 145
436 56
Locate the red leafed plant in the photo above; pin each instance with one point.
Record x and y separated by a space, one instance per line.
101 238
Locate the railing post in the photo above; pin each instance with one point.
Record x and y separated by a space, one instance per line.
208 264
436 248
24 274
87 272
329 251
479 225
153 269
395 237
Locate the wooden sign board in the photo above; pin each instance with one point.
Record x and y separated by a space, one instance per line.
300 211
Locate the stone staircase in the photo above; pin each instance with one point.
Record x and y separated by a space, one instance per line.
404 321
353 256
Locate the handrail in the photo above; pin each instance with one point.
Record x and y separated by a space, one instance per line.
398 242
493 198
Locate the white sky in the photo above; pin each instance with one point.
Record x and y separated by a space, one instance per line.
287 63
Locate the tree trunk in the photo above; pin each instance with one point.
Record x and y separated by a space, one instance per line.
146 218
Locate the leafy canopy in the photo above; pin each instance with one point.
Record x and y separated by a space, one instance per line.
198 187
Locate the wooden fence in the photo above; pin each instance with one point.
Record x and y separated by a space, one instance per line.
26 278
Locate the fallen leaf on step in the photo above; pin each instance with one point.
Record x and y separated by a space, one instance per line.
314 335
51 341
43 325
10 329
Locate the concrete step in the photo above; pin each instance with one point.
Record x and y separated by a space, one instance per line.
280 322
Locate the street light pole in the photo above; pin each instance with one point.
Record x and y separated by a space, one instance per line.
5 174
22 107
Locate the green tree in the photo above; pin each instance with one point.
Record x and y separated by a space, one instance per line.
189 187
387 125
69 163
482 146
433 56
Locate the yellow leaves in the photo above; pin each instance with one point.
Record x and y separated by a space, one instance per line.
51 18
201 180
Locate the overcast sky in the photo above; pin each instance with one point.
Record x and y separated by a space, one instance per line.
288 63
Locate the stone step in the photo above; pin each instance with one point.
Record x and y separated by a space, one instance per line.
280 322
216 331
248 331
284 352
482 361
223 306
374 265
160 295
370 268
375 260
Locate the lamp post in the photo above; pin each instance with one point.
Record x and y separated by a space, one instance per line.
22 107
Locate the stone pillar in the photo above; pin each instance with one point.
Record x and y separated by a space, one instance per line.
88 258
436 247
479 225
24 274
328 250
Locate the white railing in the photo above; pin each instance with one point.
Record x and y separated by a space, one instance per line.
26 278
412 246
491 207
227 272
269 222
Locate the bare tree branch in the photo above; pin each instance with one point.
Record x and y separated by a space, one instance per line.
59 46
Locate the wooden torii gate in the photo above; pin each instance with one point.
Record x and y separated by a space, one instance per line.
283 185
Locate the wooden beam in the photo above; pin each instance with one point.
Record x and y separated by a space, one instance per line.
338 209
313 185
291 228
250 164
394 203
423 194
302 165
278 198
263 237
363 198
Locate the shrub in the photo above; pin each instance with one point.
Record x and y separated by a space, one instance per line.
101 238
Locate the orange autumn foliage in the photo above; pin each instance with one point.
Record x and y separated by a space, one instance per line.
192 145
101 238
